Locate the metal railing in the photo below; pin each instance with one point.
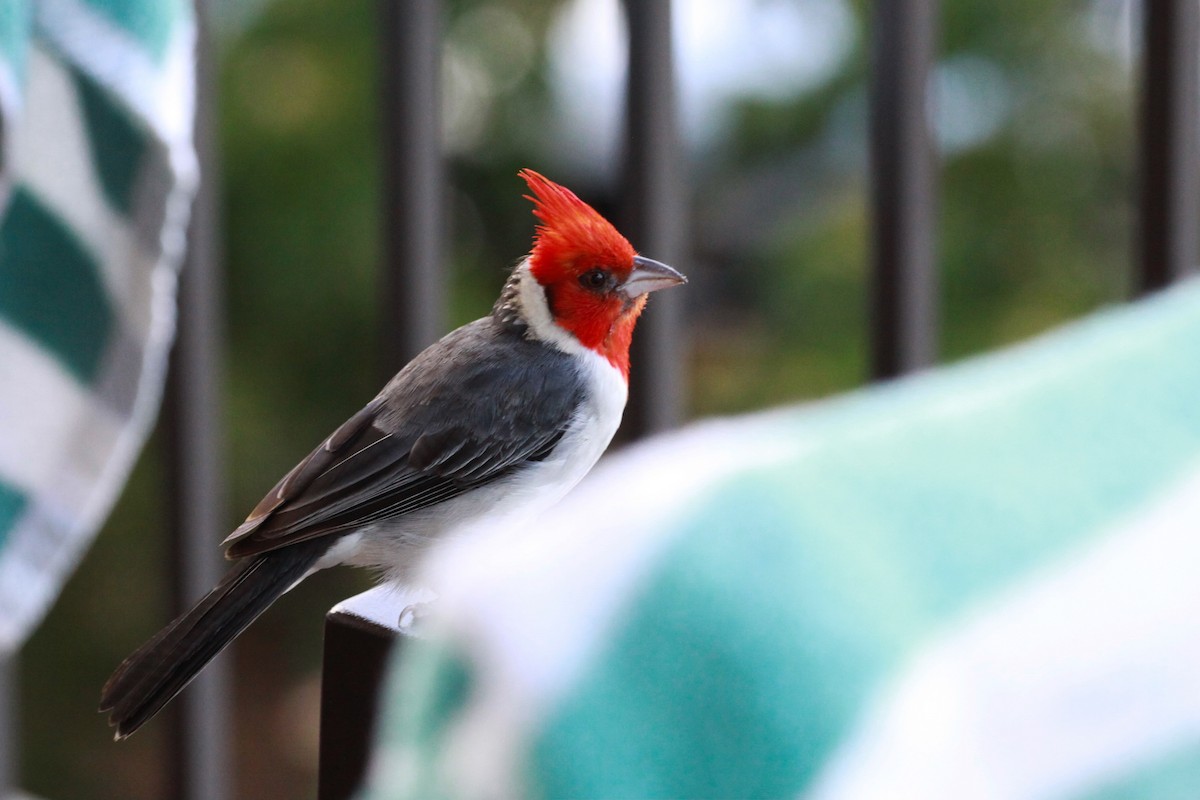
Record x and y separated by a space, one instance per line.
903 286
413 284
200 721
1168 180
903 291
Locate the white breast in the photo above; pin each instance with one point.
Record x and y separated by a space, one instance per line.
398 547
599 414
593 426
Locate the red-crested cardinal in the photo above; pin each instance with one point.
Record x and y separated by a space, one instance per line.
505 413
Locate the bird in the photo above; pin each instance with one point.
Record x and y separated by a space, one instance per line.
501 416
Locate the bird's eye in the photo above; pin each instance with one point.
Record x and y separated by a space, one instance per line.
594 279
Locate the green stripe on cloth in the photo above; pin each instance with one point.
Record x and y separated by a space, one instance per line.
117 143
895 521
16 19
635 711
894 534
423 719
1176 777
99 163
50 286
150 22
12 503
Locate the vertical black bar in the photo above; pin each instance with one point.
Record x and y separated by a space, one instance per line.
903 307
8 726
1169 183
356 658
413 283
654 209
201 765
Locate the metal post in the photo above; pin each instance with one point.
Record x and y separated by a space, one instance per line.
201 763
1169 183
903 307
356 649
352 673
413 282
8 726
654 210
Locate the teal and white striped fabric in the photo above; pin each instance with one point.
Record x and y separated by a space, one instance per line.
979 583
98 174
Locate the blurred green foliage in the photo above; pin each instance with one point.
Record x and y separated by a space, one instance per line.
1035 222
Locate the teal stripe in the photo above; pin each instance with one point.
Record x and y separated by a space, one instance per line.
1174 777
419 721
716 691
118 145
50 287
16 19
744 667
150 22
795 591
12 503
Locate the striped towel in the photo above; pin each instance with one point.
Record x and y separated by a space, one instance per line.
98 174
982 582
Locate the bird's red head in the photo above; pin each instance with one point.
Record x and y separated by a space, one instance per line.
595 282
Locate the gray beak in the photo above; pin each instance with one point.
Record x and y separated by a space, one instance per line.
649 275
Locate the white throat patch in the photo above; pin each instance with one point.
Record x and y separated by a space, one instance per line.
531 296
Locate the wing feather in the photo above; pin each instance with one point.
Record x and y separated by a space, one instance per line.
470 410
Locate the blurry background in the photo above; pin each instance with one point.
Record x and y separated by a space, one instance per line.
1034 125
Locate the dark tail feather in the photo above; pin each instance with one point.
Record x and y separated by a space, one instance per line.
159 669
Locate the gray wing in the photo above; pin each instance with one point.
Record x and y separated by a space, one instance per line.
471 409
